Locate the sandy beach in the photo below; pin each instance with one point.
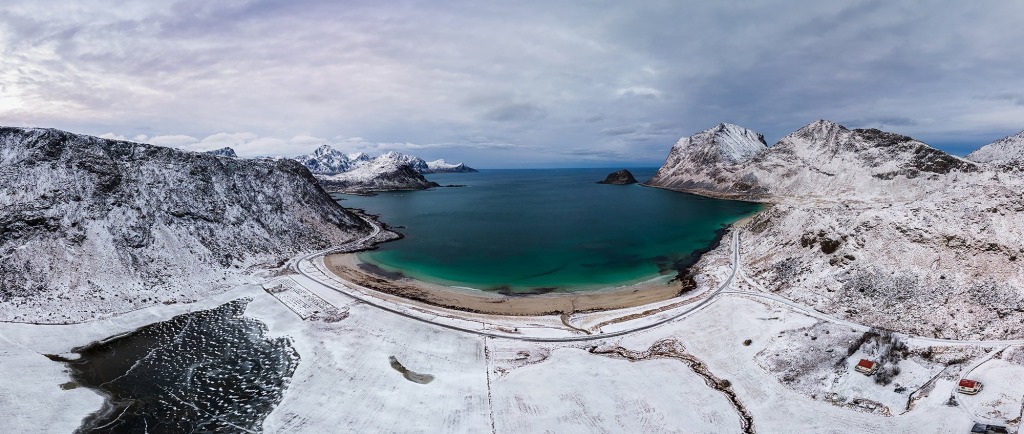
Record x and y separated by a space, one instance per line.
348 267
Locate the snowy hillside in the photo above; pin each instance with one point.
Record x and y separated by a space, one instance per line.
877 227
108 226
1008 151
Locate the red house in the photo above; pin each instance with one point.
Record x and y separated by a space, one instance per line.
970 387
866 367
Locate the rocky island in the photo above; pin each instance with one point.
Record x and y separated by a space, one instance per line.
620 177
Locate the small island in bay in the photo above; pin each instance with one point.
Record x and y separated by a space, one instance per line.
620 177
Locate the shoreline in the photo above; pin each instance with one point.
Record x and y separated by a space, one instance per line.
348 267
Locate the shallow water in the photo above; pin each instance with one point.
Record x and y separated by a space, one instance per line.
521 230
205 371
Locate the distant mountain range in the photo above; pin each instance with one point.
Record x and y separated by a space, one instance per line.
328 161
360 173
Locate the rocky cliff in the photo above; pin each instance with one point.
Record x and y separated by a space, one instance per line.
91 227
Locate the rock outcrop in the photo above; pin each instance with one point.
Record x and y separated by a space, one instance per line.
619 177
91 227
223 152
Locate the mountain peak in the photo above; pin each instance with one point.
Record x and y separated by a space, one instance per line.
324 149
725 142
820 130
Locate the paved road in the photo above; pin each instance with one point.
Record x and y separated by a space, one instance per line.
722 290
376 231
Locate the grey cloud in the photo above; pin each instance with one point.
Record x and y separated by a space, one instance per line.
515 112
1015 98
883 121
469 78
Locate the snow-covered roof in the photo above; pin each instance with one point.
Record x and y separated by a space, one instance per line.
968 383
866 363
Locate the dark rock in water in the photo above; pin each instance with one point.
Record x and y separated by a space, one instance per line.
205 371
622 177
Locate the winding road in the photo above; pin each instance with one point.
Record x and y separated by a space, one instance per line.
313 272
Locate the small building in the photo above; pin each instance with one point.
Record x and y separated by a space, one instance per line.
980 428
970 387
866 367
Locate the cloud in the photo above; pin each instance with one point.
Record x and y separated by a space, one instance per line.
173 140
550 78
515 112
882 122
640 91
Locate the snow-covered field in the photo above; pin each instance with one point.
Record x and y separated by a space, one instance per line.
736 358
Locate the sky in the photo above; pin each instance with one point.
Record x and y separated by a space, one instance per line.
508 84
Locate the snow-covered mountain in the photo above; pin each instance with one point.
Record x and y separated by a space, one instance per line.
380 174
1007 151
223 152
327 161
359 173
392 159
822 159
705 160
872 226
107 226
440 166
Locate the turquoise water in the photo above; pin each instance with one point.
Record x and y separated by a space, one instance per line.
520 230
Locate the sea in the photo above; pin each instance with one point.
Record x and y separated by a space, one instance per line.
529 230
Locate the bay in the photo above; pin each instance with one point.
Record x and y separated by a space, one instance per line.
556 229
